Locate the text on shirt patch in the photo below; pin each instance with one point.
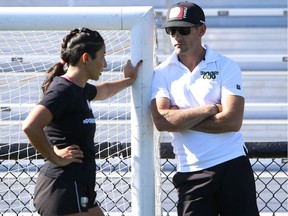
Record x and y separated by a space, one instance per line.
209 74
89 121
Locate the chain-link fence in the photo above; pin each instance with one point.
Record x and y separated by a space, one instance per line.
269 162
270 172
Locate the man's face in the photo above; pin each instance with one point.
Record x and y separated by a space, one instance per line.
186 40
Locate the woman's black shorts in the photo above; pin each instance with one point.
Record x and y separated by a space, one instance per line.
61 196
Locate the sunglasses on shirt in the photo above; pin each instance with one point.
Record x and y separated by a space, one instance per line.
181 30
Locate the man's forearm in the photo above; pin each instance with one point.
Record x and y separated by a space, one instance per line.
183 119
218 123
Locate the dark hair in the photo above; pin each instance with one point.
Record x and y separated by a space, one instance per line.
74 45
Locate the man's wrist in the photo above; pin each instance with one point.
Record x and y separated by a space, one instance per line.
217 108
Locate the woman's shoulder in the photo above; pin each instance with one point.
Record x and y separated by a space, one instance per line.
60 84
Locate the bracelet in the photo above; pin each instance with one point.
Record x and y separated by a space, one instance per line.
217 108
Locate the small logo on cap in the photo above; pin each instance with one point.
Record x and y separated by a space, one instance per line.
178 13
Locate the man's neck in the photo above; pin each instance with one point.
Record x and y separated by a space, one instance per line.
192 60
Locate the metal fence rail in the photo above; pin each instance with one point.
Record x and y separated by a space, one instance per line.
16 151
268 160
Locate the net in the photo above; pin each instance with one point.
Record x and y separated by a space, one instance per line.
25 56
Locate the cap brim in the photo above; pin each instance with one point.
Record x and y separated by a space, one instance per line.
178 24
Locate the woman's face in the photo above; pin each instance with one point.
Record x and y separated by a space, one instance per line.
97 64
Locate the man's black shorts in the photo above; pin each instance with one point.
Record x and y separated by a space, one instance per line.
227 189
61 197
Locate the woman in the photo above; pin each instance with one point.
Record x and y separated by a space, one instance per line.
64 119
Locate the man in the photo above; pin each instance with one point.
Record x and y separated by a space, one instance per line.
197 96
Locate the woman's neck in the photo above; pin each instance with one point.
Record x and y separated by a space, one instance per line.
75 75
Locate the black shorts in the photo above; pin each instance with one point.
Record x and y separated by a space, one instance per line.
60 197
227 189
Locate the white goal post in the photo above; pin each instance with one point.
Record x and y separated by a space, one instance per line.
140 22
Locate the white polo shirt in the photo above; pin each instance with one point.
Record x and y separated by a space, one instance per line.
214 78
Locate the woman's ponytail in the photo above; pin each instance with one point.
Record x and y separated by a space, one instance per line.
56 70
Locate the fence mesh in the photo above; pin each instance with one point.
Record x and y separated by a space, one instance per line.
18 179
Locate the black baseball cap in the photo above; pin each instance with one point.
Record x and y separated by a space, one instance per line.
184 14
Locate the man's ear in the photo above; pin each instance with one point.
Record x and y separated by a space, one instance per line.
202 29
85 58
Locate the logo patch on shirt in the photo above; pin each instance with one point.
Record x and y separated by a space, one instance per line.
209 74
238 87
89 121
